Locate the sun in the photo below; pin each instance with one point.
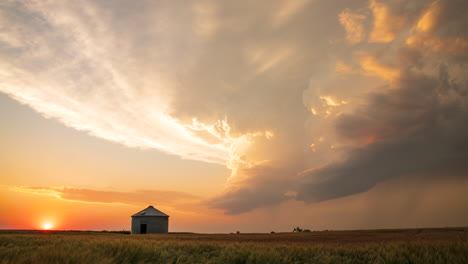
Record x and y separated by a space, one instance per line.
47 226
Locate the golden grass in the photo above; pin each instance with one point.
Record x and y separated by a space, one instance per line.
374 246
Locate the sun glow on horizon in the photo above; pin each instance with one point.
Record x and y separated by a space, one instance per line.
47 226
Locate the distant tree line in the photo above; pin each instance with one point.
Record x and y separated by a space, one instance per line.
299 230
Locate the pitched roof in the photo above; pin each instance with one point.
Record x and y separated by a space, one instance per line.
150 211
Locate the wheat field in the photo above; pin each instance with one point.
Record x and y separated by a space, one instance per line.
373 246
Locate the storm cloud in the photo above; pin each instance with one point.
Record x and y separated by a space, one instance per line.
411 123
419 128
297 110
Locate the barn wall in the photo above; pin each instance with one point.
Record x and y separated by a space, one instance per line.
154 224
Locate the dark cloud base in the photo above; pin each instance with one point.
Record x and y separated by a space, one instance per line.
420 127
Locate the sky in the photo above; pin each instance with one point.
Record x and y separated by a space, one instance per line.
251 116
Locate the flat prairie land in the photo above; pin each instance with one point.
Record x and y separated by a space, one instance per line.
442 245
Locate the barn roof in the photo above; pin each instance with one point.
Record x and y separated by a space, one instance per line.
150 211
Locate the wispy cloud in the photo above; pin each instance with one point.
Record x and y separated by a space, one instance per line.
286 10
70 64
139 197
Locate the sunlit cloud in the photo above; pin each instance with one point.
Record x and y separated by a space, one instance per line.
450 46
428 20
369 142
330 101
139 197
73 75
286 10
353 24
386 24
371 66
343 68
423 34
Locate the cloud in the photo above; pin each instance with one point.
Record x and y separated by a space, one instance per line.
286 10
428 33
139 197
194 84
418 128
353 24
453 46
398 203
267 59
264 88
409 123
428 20
66 67
387 24
343 68
261 186
206 22
369 65
372 67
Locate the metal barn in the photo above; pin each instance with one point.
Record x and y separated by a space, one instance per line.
150 221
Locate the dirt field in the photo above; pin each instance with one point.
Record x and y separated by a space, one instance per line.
448 245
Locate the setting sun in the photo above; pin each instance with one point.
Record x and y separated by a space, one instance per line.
47 226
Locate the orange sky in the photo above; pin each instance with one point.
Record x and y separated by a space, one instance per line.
251 116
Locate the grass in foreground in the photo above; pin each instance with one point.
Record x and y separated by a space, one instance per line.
378 246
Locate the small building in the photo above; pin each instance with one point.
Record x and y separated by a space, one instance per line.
150 221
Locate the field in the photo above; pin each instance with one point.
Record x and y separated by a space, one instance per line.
448 245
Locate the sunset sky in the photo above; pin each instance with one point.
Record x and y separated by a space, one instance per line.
251 116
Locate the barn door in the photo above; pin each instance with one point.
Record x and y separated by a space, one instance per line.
143 229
